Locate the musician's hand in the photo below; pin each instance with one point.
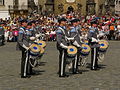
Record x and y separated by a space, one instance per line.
26 48
94 40
70 39
32 38
63 46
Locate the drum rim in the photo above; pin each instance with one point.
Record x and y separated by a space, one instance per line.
35 45
43 43
105 45
87 50
104 41
72 53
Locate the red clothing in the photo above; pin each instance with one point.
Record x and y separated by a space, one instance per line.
15 33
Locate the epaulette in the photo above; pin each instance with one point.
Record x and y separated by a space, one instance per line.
73 30
21 32
58 31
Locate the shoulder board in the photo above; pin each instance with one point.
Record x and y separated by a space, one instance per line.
21 32
59 31
73 30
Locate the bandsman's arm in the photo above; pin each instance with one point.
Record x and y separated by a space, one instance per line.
59 35
20 39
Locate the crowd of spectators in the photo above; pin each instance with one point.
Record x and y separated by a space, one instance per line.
108 25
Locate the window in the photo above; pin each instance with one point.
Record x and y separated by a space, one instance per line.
1 2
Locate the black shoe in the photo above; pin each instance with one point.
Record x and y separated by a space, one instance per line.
98 67
78 72
28 76
94 68
32 73
64 75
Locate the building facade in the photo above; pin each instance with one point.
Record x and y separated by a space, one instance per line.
83 6
4 12
11 8
117 6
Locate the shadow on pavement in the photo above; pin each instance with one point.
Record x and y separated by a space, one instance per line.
101 66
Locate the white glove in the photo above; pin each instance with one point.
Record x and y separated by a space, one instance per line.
98 36
94 40
81 37
63 46
70 38
37 35
27 48
32 38
76 44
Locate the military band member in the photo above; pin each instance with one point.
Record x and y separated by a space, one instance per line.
2 33
93 41
24 40
75 34
62 46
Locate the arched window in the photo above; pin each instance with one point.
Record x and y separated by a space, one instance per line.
49 1
90 1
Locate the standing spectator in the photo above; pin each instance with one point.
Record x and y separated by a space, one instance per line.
15 34
112 31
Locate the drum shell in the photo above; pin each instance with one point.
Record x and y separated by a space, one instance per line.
71 52
85 50
34 53
84 53
34 50
103 46
42 43
102 49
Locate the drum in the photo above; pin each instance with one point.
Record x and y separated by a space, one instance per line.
72 51
105 41
86 42
103 45
34 50
85 50
42 51
41 43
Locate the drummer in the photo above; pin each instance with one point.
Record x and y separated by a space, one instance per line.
75 34
62 46
93 41
23 45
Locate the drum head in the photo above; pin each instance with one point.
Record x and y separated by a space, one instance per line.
86 42
72 50
41 43
103 45
35 48
85 48
105 41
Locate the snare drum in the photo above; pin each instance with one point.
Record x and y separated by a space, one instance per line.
42 43
34 50
85 50
105 41
103 45
86 42
72 51
42 51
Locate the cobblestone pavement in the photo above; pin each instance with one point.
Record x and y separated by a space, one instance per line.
107 78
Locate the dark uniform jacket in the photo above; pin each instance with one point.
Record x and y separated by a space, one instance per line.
24 38
61 35
92 34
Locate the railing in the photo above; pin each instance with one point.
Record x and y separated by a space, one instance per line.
18 7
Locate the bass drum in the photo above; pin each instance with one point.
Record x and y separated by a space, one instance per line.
34 50
85 50
72 51
103 45
42 43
